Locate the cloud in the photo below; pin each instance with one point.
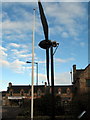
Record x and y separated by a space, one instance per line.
22 54
3 53
21 46
82 44
42 78
65 35
2 48
14 25
4 63
63 18
3 57
18 52
17 66
68 16
25 56
63 78
42 61
64 60
14 45
13 57
20 20
60 78
15 53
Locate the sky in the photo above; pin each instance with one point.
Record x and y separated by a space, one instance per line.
68 25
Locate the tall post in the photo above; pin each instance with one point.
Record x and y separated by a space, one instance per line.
37 74
32 89
52 85
71 77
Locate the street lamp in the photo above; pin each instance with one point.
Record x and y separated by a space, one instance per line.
37 71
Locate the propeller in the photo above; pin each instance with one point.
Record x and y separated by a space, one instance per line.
45 44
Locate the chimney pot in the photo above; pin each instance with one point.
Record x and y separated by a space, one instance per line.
10 84
74 68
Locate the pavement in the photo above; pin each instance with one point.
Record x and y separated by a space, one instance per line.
10 113
0 112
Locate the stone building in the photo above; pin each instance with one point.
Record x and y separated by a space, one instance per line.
81 84
81 79
16 93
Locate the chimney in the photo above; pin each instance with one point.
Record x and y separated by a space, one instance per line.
45 84
74 69
74 74
10 84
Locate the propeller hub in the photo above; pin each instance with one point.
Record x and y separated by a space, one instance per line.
45 44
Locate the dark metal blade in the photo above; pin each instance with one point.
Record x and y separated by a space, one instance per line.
47 64
43 20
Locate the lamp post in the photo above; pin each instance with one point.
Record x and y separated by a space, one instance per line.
37 71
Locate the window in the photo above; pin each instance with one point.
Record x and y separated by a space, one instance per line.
11 93
39 92
29 92
22 92
68 91
59 91
88 82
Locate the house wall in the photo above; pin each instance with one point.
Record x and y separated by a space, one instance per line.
80 79
67 94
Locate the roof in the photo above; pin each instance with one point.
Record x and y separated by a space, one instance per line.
26 88
4 93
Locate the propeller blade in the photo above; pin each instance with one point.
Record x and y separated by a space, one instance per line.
47 64
43 20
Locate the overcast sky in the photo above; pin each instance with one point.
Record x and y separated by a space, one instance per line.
68 25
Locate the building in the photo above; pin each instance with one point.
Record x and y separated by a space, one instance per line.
16 93
81 79
81 84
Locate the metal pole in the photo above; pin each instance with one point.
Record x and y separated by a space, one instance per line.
32 89
52 85
71 76
37 74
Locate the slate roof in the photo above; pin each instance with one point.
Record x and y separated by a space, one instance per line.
26 88
3 93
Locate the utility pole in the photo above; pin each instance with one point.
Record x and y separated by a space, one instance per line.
32 89
52 85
